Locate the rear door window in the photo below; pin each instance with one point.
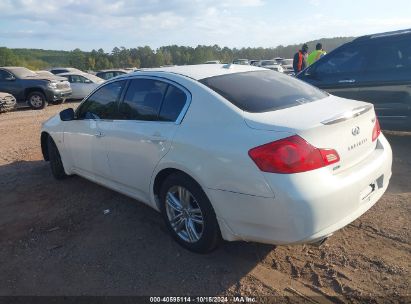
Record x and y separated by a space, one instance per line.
143 99
173 104
263 91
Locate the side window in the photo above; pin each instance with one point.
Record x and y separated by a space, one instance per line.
4 75
391 56
173 103
350 59
103 103
77 79
143 99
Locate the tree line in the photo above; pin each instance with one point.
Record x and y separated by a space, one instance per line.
146 57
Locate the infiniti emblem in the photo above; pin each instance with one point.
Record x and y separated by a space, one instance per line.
355 131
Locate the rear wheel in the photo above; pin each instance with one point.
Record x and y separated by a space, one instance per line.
188 214
56 164
37 100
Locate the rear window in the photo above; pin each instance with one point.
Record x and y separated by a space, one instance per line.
263 91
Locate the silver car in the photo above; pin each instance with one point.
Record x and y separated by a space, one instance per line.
82 83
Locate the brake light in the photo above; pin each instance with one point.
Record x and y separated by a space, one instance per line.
291 155
377 130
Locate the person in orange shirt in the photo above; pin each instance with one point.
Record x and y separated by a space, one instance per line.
300 59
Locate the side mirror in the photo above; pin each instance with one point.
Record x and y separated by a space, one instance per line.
67 114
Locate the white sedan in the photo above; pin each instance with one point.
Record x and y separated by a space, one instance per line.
271 64
229 152
81 83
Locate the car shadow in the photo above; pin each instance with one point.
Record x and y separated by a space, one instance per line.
73 237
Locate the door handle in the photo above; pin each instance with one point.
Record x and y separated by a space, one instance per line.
346 81
99 134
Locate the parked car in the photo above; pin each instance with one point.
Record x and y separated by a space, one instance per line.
49 74
287 65
32 89
82 83
57 71
241 61
254 62
7 102
229 151
271 64
373 68
213 62
107 74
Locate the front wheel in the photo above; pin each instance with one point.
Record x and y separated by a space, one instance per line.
56 164
188 214
37 100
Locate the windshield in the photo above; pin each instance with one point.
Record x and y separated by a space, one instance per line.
23 72
263 91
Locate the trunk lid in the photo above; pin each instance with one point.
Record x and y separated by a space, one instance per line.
330 123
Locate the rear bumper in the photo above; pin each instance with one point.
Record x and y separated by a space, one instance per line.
307 206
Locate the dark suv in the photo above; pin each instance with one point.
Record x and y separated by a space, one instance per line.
31 88
373 68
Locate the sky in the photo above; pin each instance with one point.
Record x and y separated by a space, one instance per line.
94 24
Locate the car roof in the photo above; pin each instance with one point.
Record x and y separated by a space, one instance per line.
111 70
383 35
11 68
199 71
72 73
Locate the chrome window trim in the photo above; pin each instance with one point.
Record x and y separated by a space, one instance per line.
127 77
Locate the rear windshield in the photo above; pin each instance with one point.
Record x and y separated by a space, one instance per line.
263 91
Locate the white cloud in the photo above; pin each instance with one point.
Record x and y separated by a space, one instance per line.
130 23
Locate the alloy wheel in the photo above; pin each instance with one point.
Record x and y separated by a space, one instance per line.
36 101
184 214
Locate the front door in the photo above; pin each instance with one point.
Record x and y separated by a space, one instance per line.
339 72
83 137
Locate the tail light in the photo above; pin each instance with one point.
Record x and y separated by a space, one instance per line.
377 130
291 155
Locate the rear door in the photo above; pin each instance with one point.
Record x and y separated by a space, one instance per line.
149 115
339 72
387 81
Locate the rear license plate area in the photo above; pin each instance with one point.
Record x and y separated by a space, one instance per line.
367 193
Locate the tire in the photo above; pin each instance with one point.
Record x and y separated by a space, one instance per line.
37 100
56 164
188 213
57 102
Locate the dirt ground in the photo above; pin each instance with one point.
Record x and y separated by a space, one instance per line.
55 239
